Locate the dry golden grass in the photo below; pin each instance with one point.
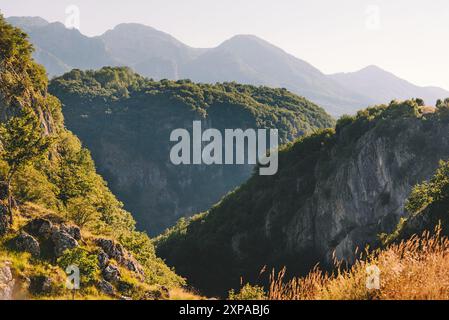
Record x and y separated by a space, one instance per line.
416 269
183 294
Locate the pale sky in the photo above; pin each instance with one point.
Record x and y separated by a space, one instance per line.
407 37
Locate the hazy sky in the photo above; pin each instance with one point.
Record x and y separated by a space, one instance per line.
407 37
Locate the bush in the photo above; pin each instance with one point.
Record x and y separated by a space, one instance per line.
85 261
248 292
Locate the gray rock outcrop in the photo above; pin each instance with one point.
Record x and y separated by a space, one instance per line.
7 281
26 243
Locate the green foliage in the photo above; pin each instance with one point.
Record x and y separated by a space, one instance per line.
278 108
156 272
23 141
125 131
47 165
81 211
248 292
86 262
232 240
443 109
427 207
433 191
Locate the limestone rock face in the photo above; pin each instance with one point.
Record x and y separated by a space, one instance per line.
364 195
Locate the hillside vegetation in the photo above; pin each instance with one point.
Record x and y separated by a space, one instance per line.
55 210
412 264
126 120
336 191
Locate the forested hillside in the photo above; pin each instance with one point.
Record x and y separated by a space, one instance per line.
55 210
126 120
336 191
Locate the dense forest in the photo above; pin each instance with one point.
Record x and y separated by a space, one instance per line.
126 121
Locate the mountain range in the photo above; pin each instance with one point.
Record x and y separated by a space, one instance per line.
243 58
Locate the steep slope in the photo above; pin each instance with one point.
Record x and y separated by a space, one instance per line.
55 210
428 205
126 120
380 85
334 192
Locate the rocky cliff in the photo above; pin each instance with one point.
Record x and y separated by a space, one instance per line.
335 191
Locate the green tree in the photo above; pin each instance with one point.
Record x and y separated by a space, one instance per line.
75 173
22 141
81 211
443 108
248 292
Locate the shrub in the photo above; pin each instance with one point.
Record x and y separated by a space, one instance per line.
248 292
85 261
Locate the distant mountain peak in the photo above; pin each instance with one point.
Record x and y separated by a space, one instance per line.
28 22
247 40
133 26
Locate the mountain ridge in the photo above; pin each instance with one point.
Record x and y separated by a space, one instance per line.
242 58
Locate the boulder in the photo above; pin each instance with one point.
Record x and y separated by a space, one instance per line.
41 285
118 253
62 241
106 288
132 265
40 228
112 249
111 273
6 282
103 259
74 231
26 243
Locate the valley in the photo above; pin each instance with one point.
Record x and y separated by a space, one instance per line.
151 170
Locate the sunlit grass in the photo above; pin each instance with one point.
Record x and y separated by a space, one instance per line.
414 269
